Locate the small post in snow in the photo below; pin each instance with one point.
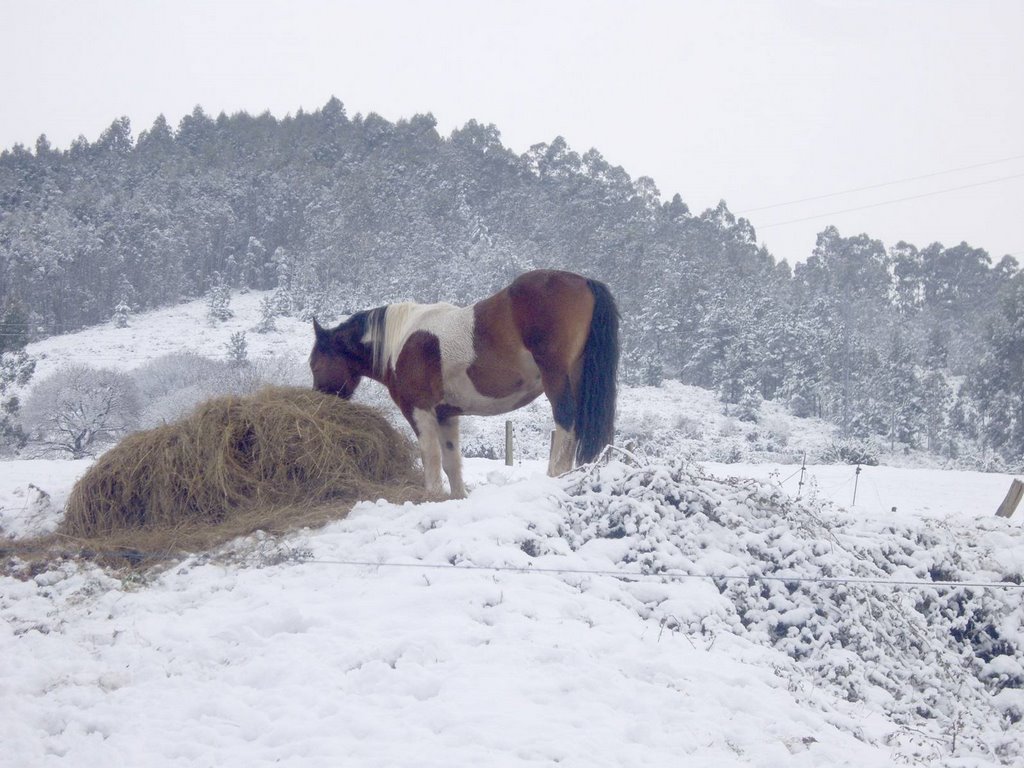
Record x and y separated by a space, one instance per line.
1013 497
856 479
803 469
508 443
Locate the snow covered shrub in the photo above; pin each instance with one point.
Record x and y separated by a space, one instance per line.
282 370
778 430
650 432
819 584
78 410
477 441
531 430
801 405
851 452
173 372
993 462
174 384
477 445
729 428
733 454
688 427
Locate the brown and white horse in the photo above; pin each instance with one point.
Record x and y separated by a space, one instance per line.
552 332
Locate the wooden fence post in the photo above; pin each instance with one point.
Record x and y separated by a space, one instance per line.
508 443
1012 499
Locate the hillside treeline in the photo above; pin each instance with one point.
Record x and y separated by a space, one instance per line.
914 345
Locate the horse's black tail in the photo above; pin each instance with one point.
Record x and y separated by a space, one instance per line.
595 400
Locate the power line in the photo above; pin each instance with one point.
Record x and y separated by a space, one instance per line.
880 185
890 202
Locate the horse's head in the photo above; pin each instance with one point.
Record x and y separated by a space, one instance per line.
339 358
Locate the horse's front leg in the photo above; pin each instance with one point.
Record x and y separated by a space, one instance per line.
451 455
428 432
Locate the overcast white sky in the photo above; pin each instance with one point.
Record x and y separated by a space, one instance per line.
758 103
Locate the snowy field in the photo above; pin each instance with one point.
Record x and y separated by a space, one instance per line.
673 610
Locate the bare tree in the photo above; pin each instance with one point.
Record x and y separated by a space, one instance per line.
79 409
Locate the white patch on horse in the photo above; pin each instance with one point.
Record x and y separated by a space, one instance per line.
452 325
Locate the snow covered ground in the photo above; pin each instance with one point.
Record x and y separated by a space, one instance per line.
659 613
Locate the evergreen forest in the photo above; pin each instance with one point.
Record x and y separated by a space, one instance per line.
918 345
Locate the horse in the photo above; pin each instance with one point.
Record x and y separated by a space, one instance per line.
548 331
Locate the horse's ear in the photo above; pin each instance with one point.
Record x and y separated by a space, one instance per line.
322 336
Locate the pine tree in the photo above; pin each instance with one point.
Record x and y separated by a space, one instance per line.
254 265
121 312
218 299
16 369
936 402
238 350
268 311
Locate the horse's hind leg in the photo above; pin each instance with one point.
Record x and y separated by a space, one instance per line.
563 450
451 455
558 387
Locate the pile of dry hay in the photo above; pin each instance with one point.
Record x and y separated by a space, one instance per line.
280 459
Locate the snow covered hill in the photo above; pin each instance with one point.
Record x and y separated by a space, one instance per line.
653 610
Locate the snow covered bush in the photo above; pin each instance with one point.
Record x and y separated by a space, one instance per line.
778 430
79 410
173 372
479 443
851 452
174 384
742 557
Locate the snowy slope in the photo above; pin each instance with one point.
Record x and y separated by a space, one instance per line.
174 329
537 622
327 664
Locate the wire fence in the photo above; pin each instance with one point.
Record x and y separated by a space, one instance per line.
143 558
677 575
